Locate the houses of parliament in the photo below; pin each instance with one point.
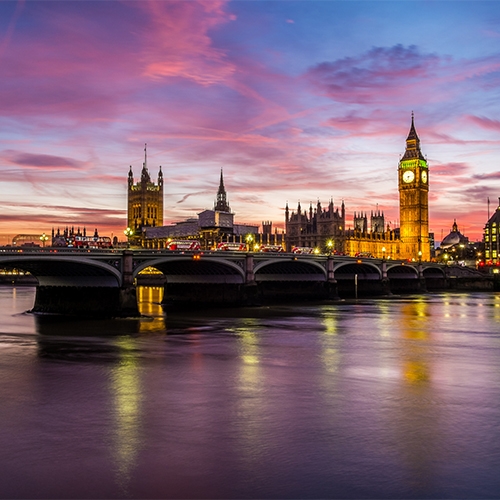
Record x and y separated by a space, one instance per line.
318 227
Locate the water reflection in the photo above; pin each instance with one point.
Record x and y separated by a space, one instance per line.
414 327
330 355
149 300
126 391
377 399
250 397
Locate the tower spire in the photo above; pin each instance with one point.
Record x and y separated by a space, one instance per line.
221 204
145 178
413 143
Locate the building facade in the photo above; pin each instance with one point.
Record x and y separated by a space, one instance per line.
144 201
326 229
491 238
210 228
413 185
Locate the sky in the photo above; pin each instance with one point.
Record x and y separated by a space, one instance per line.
294 100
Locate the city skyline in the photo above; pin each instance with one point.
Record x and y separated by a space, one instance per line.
293 100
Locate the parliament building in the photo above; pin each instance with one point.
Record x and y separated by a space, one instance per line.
325 228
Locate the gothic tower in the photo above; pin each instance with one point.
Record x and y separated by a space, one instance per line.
145 200
413 185
221 204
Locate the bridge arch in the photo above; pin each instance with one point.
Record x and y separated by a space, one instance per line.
363 270
293 269
60 270
434 272
189 269
402 271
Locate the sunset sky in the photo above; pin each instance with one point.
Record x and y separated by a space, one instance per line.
294 100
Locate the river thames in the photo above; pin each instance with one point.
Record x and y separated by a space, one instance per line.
387 398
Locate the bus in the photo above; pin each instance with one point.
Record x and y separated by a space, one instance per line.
271 248
231 247
91 242
302 250
183 245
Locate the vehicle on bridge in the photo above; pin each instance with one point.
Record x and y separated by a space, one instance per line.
271 248
91 242
302 250
183 245
231 247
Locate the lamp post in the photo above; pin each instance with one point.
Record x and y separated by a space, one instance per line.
43 239
129 232
249 240
383 254
329 246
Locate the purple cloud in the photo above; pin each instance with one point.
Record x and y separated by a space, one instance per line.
379 74
41 161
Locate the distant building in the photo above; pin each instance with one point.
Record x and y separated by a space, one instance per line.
326 229
456 248
145 201
211 227
491 237
26 240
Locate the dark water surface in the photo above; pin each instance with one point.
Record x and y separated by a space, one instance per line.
394 398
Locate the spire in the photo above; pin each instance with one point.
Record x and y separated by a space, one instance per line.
221 204
160 178
145 178
412 143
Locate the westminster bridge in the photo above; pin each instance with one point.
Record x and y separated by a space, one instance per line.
85 282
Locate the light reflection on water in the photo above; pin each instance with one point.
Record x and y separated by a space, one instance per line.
391 398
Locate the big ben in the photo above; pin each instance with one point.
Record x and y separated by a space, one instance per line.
413 185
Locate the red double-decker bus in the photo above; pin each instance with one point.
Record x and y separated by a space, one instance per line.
231 247
91 242
302 250
183 245
271 248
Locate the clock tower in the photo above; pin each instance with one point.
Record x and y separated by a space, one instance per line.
413 185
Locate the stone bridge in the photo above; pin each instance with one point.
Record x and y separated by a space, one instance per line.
103 281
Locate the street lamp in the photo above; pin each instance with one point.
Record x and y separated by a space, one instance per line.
129 232
43 239
420 256
383 253
249 240
329 245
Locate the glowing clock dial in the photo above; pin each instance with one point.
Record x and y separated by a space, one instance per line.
408 176
424 176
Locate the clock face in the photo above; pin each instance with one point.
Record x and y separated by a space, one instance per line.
424 176
408 176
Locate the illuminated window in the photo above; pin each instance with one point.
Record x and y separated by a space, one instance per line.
494 254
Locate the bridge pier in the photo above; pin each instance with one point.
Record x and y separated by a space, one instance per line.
331 285
77 301
250 293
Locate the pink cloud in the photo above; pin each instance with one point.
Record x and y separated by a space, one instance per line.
377 74
178 44
41 161
450 169
484 122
